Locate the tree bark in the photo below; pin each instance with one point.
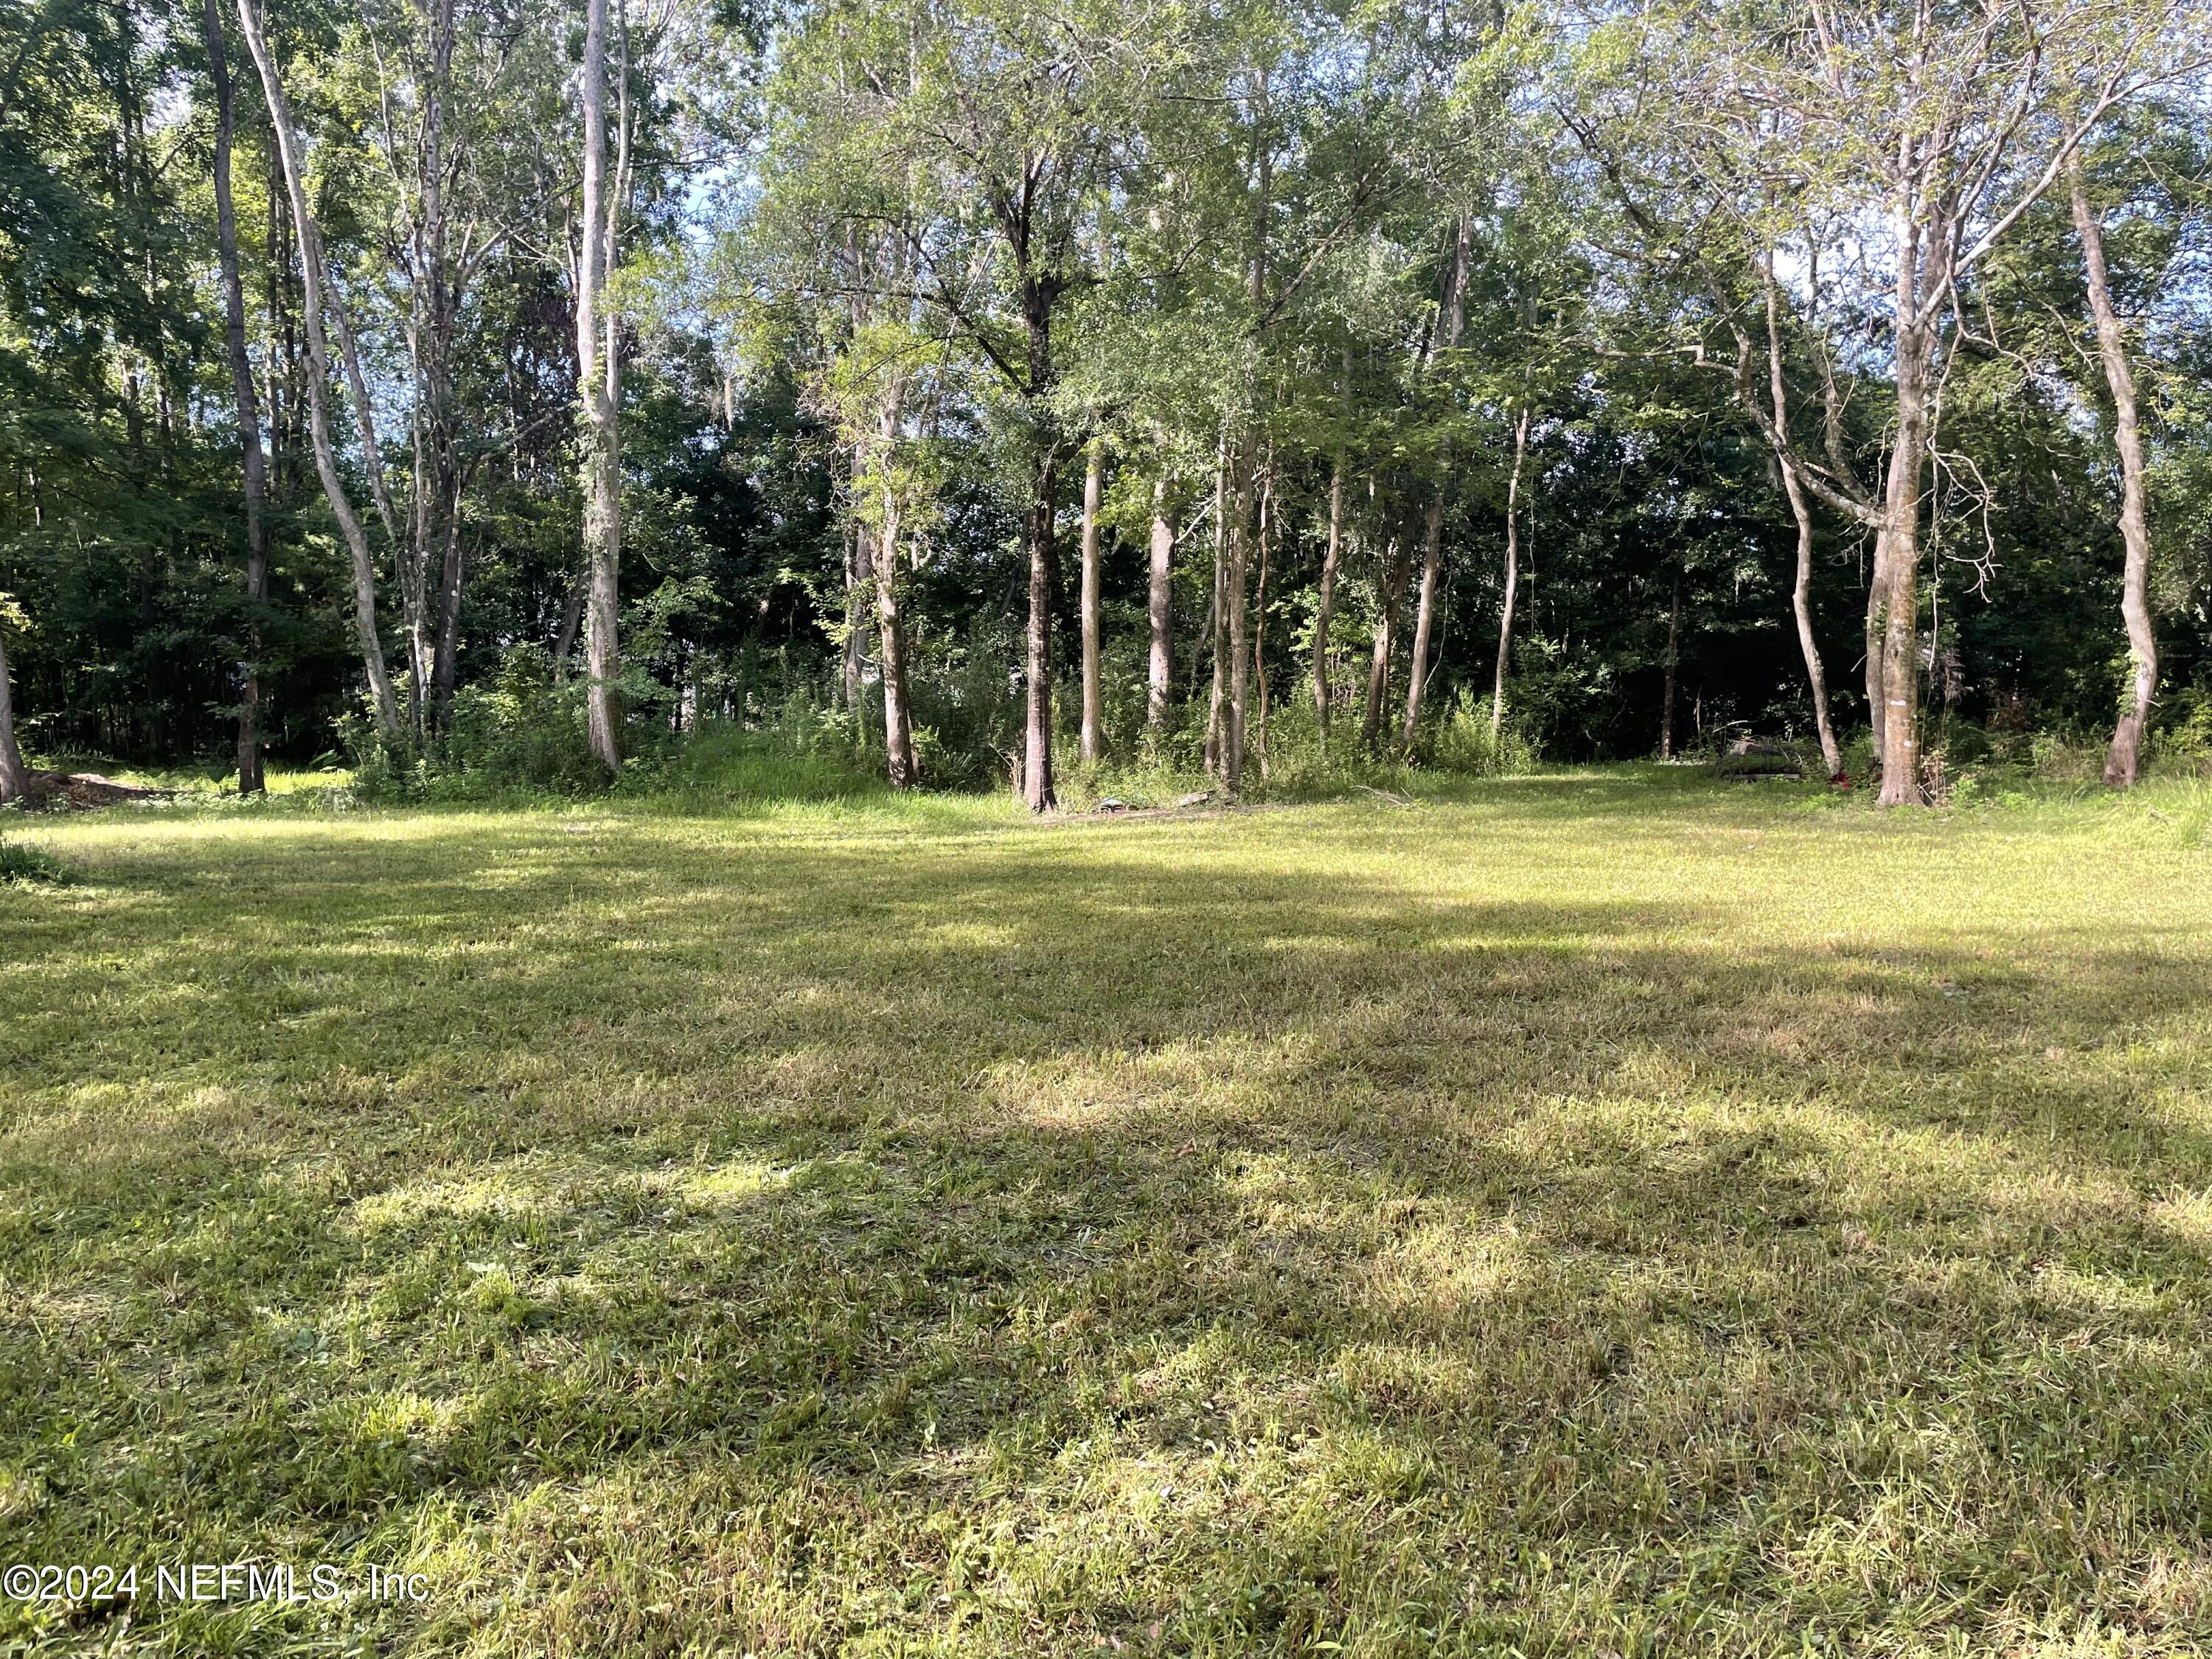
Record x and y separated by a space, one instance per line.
1162 606
1417 666
1673 659
1037 293
898 717
1217 615
2124 761
1801 593
1386 630
1800 607
598 386
1325 611
1094 696
858 566
1450 319
318 373
1239 545
572 621
250 780
1037 748
1266 529
15 778
437 304
1901 635
1512 573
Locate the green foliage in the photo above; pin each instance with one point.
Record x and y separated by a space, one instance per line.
24 864
1467 743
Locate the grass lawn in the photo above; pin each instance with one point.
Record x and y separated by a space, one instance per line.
1602 1213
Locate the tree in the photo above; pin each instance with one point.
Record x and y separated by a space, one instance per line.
248 405
1719 136
1094 693
599 390
1512 584
15 778
2125 756
313 278
1450 319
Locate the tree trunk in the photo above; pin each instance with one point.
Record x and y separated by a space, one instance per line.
1239 545
1386 631
572 620
1901 635
1673 659
598 386
15 779
1512 573
1800 593
1417 666
1037 748
898 720
414 555
1325 612
445 656
1217 615
858 565
1449 320
249 409
1162 597
1267 529
319 372
1094 697
437 304
2124 760
1801 606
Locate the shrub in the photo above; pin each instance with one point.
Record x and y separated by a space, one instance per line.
1465 742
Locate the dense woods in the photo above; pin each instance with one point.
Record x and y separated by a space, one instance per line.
472 388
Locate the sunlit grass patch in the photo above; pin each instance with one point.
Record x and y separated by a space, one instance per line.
1582 1214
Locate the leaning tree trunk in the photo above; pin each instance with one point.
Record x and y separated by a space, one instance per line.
1512 573
1094 696
1800 607
1325 611
249 407
1801 593
318 373
15 779
597 384
1162 606
2124 760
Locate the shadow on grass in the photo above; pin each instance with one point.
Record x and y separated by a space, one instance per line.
677 1238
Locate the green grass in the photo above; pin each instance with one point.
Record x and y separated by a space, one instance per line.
1613 1212
208 780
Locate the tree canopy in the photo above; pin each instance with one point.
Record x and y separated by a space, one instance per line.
466 384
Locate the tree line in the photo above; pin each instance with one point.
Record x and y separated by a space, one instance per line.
1015 384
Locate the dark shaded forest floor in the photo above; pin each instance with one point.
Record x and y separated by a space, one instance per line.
1601 1213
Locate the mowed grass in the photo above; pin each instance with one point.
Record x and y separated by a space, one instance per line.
1612 1213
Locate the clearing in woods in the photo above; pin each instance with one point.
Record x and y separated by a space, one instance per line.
1596 1212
